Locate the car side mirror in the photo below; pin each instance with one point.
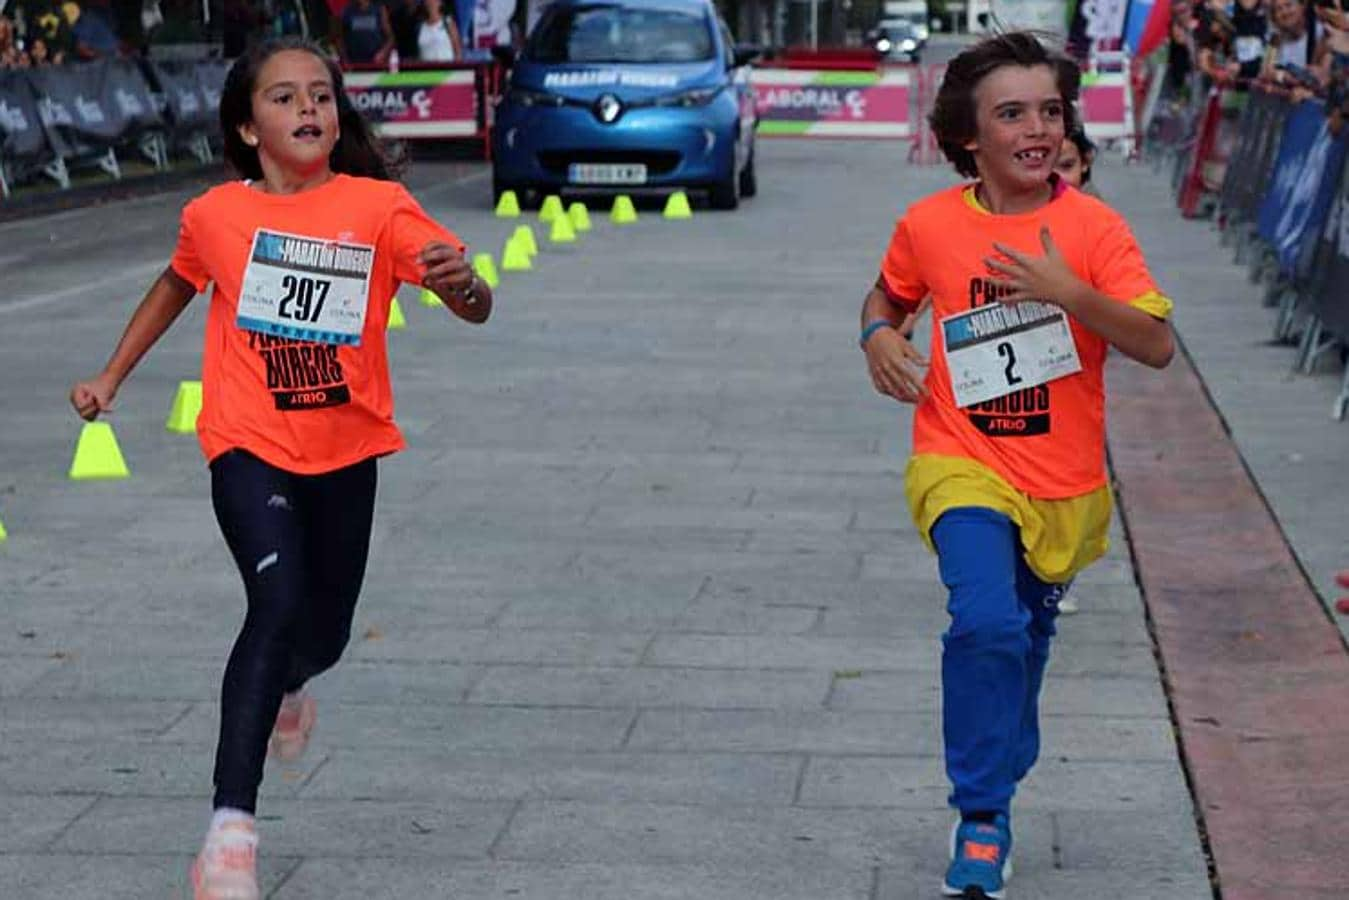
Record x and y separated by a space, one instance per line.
504 54
744 54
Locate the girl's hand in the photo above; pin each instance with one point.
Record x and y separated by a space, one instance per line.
447 272
1027 277
93 396
895 366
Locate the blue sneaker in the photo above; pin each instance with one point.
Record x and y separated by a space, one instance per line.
981 860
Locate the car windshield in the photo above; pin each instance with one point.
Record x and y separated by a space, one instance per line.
620 34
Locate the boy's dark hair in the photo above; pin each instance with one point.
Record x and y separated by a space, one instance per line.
952 117
357 151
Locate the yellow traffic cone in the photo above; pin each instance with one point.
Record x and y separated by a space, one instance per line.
429 297
4 535
562 231
515 258
677 207
551 209
186 408
396 319
623 213
486 268
508 207
580 216
525 235
97 454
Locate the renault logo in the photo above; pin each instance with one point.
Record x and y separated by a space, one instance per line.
608 108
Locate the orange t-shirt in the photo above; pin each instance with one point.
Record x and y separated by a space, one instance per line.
1047 441
303 406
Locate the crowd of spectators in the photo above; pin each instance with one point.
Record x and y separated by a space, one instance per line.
47 32
1282 45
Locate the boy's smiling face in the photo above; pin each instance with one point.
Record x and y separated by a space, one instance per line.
1019 127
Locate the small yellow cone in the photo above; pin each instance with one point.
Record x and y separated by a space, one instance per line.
580 217
486 268
515 258
396 319
525 235
97 454
677 207
562 231
551 209
429 297
186 407
623 213
508 207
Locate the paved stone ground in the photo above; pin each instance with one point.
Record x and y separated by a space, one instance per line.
645 616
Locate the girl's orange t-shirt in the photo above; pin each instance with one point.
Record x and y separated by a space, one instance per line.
303 406
1046 441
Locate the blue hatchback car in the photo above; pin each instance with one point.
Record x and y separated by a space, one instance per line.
629 96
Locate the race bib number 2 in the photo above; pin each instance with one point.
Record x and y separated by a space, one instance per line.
995 350
306 288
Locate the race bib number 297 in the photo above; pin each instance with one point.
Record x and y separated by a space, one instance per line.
306 288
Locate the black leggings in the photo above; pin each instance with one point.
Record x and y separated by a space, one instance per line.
300 542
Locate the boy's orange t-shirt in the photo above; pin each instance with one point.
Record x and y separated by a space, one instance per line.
300 405
1047 441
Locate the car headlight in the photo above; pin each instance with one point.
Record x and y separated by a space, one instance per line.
908 45
529 97
923 32
695 97
884 45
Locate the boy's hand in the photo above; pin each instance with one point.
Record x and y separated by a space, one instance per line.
895 366
93 396
447 272
1027 277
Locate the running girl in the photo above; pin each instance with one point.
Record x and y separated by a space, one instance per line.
305 255
1031 283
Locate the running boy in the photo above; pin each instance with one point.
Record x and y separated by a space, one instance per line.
1031 282
305 256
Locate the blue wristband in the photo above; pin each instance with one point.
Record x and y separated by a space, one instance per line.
872 328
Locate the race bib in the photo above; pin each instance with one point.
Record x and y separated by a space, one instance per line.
999 349
306 288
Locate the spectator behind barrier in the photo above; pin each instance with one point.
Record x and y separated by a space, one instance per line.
405 18
43 19
11 55
437 35
94 37
367 36
1294 38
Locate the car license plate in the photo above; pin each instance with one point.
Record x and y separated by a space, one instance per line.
607 173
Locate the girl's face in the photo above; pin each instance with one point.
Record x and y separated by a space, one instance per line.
432 8
1071 165
1019 127
295 124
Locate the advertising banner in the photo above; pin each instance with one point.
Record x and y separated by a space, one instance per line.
1300 131
811 103
422 103
73 108
1105 105
184 100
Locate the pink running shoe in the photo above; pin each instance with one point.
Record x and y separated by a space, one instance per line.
294 723
226 868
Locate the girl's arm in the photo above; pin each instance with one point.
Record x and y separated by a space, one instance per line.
386 26
163 303
455 40
1136 334
455 283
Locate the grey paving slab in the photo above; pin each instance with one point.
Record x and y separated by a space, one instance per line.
32 823
1126 697
383 880
442 725
402 640
425 772
33 876
651 688
1041 880
88 720
464 829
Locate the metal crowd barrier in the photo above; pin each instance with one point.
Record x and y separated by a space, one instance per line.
60 118
1283 204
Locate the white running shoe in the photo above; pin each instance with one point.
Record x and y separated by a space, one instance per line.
226 868
294 723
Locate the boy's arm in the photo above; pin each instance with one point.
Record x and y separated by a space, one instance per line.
894 364
1136 333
